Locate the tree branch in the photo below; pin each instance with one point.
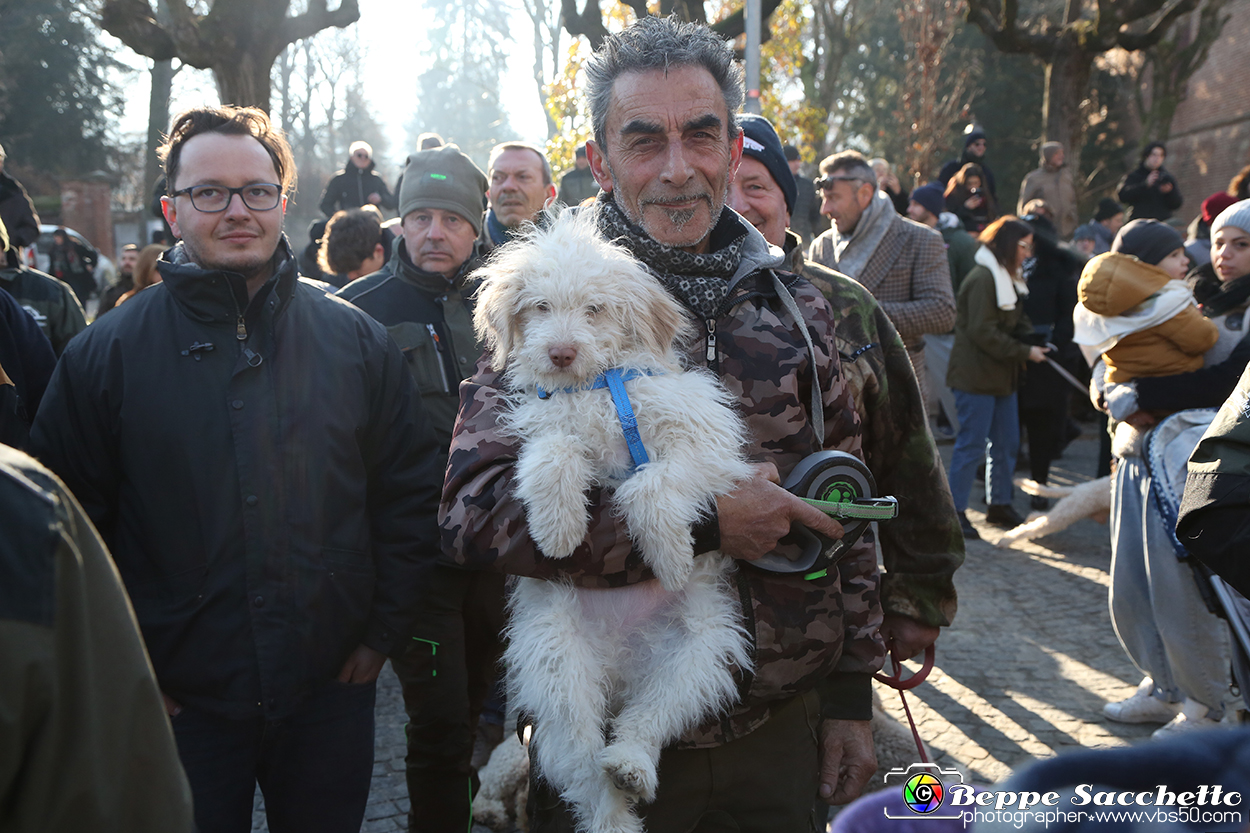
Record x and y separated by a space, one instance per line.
734 25
134 24
587 23
1132 41
1005 34
319 17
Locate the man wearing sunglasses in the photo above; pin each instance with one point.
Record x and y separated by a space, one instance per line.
356 184
902 263
256 456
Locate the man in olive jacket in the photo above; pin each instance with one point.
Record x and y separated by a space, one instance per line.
84 741
255 455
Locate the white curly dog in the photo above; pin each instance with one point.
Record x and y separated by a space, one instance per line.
611 675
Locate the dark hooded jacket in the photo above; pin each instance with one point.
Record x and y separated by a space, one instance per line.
351 187
26 362
262 472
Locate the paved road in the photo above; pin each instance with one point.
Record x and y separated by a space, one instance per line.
1023 673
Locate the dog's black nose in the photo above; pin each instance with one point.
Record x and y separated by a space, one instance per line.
562 355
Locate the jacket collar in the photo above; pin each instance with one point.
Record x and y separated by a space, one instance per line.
216 295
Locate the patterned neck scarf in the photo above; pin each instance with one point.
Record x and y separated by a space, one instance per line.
700 281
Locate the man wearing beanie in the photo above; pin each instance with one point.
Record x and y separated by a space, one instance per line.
1052 182
1135 309
926 548
423 300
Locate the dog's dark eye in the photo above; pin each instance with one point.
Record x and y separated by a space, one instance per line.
593 309
543 306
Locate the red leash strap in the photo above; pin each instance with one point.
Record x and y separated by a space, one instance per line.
896 682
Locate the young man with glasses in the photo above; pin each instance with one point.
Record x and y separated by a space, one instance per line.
257 458
357 184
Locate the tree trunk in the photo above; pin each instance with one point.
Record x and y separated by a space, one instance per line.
158 122
244 80
1067 85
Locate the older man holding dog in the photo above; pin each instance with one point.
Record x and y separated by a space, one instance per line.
667 144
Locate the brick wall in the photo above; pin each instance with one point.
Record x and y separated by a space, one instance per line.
85 207
1210 138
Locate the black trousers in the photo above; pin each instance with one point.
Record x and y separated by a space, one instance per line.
764 782
446 676
313 767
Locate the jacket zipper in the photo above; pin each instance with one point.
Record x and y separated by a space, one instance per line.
440 349
712 363
240 334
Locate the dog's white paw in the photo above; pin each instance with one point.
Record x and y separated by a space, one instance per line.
631 770
560 532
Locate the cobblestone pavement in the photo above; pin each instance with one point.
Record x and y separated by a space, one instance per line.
1032 657
1023 673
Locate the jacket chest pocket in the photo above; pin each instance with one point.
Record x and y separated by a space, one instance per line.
424 354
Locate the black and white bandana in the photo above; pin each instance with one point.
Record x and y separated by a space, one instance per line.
700 281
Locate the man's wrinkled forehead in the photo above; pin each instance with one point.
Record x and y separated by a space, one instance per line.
644 103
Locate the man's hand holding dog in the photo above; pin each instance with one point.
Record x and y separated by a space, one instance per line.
847 759
758 514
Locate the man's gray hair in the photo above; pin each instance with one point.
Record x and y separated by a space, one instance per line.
661 43
850 164
497 150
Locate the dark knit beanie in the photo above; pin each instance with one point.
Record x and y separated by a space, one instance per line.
1107 208
1148 240
930 198
973 132
760 142
443 178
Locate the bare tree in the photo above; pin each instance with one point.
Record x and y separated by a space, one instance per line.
239 40
936 90
1169 64
547 18
1068 48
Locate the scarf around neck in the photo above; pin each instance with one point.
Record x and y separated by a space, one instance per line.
699 281
1217 297
854 250
1007 289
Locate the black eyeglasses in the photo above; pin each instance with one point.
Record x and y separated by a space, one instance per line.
825 183
210 199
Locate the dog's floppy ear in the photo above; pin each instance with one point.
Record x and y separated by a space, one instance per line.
657 317
495 314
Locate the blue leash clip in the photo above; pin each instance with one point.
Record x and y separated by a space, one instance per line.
614 380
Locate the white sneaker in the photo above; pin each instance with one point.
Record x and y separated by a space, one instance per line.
1142 707
1192 718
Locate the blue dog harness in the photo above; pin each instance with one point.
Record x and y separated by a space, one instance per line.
614 380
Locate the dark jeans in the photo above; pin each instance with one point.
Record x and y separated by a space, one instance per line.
764 782
446 676
313 767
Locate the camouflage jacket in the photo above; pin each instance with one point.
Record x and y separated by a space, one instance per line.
923 546
822 632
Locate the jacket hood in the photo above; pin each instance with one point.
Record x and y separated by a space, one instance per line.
1113 283
757 253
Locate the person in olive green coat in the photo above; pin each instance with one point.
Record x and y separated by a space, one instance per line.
991 346
84 741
